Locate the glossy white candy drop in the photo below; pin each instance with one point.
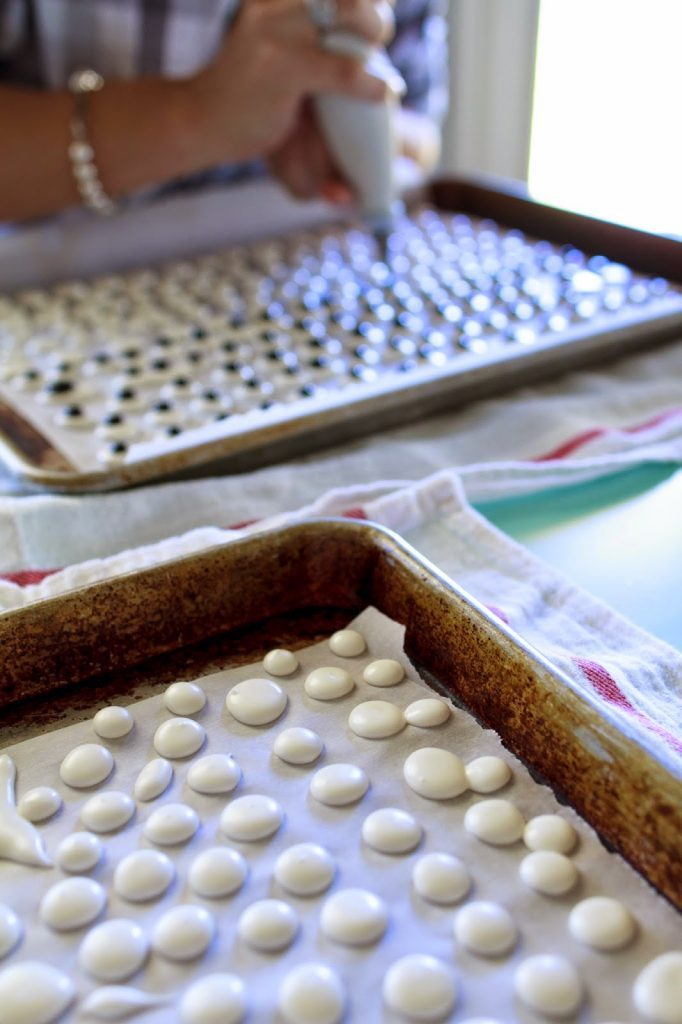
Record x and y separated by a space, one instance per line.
549 832
347 643
154 779
280 662
72 903
497 822
305 869
218 871
487 774
80 851
376 719
256 701
184 698
113 723
657 992
171 824
34 993
268 925
390 830
215 999
114 950
311 994
328 683
184 933
602 922
108 811
420 987
250 818
179 737
441 878
339 784
550 873
485 928
354 917
86 765
435 773
550 985
143 875
298 745
384 672
118 1002
427 712
10 930
20 841
215 773
39 804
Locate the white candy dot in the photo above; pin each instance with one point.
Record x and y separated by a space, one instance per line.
10 930
550 873
549 984
602 922
354 917
280 662
39 804
171 824
72 903
441 878
390 830
298 745
114 950
376 719
657 993
183 933
549 832
328 683
184 698
487 774
305 869
179 737
485 928
384 672
34 993
339 784
113 723
215 773
497 822
268 925
420 987
154 779
256 701
250 818
311 994
427 712
108 811
80 851
218 871
143 875
347 643
435 773
86 765
215 999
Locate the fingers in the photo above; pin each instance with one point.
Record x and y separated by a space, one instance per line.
304 166
322 72
373 20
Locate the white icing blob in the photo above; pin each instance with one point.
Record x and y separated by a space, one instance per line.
179 737
10 930
184 933
143 875
218 871
256 701
298 745
441 878
114 950
250 818
485 928
113 722
154 779
311 994
80 851
215 773
86 765
384 672
72 903
376 719
171 824
427 712
549 832
107 811
550 873
184 698
549 984
420 987
435 773
34 993
280 662
602 922
268 925
487 774
497 822
328 683
305 869
657 992
390 830
39 804
19 840
347 643
118 1002
354 917
215 999
339 784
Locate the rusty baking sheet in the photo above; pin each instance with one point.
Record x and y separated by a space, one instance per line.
62 657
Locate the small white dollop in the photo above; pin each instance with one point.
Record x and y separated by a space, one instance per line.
268 925
311 994
216 872
305 869
171 824
184 933
339 784
256 701
550 873
602 923
114 950
441 878
215 999
390 830
107 811
143 875
549 832
184 698
657 992
427 712
280 662
487 774
328 683
376 719
113 722
81 851
497 822
215 773
420 987
485 928
298 745
435 773
72 903
384 672
179 737
39 804
86 765
250 818
347 643
549 984
154 779
354 917
10 930
118 1002
34 993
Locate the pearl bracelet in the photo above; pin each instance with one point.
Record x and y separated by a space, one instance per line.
81 153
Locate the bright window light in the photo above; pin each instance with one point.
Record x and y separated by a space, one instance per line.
606 136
